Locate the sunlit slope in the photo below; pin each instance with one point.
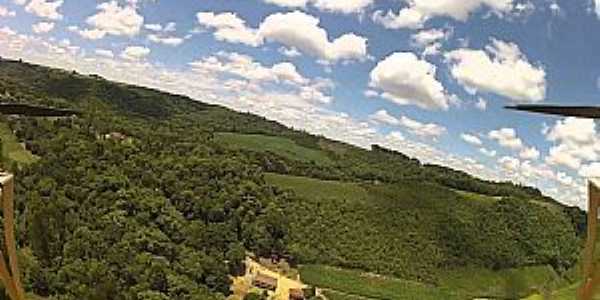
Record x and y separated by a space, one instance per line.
277 145
12 150
428 234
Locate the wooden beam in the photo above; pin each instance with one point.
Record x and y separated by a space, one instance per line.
8 187
591 276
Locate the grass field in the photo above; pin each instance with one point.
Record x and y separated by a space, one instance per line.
350 285
12 149
278 145
315 188
485 283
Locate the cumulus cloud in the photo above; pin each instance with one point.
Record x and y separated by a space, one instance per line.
510 164
229 28
481 104
163 34
153 27
591 170
257 77
502 69
104 53
487 152
45 9
4 12
289 52
596 6
337 6
407 80
506 137
135 53
576 141
471 139
42 27
529 153
382 116
113 19
302 31
430 41
420 11
295 30
416 128
428 130
165 40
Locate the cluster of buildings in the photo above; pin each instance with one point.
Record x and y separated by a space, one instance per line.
271 284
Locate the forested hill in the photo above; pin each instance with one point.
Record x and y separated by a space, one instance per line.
149 195
27 83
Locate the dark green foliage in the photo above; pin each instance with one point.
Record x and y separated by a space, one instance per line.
167 211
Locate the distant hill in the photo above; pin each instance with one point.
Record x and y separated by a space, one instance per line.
167 207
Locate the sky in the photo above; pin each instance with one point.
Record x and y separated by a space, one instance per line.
429 78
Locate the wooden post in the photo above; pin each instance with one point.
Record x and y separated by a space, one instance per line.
591 275
11 279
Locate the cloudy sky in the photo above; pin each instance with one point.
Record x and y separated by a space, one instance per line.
426 77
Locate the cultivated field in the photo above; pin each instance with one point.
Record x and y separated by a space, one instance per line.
277 145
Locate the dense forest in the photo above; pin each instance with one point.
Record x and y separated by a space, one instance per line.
141 197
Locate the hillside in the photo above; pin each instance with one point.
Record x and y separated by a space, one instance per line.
168 209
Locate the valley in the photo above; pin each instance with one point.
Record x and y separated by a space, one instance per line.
171 210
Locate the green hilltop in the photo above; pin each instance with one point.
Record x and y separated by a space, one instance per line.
150 195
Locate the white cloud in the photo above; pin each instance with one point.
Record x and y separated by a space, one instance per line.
488 153
92 34
591 170
510 164
420 11
481 104
255 76
573 130
555 9
115 20
104 53
45 9
289 3
289 52
430 40
230 28
506 137
596 4
4 12
382 116
471 139
407 80
20 2
294 30
135 53
166 40
337 6
576 141
302 31
346 6
371 94
502 69
42 27
529 153
153 27
417 128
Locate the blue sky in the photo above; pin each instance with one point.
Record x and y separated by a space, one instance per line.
426 77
